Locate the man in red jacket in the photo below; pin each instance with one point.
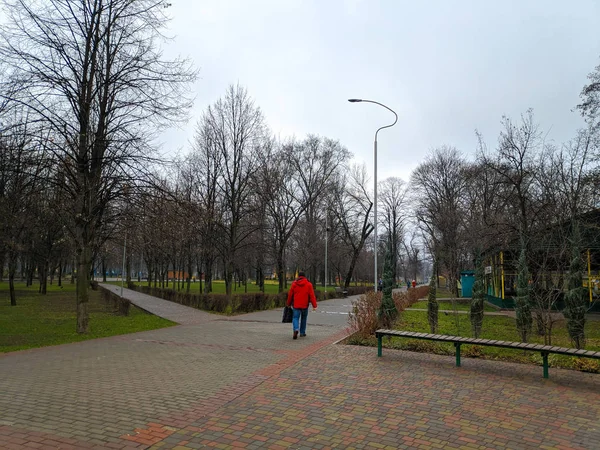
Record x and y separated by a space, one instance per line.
301 292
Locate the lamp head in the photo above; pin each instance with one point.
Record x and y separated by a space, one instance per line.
354 100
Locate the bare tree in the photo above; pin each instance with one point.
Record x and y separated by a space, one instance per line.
318 161
439 186
352 210
413 251
515 163
93 71
277 184
292 180
590 95
236 132
393 208
22 169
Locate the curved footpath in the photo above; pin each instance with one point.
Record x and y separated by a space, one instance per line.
242 382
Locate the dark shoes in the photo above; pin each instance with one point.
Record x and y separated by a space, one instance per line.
296 334
303 335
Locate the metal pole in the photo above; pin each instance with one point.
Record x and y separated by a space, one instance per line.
375 206
123 271
355 100
326 233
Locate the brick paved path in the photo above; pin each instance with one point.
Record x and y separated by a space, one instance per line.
243 382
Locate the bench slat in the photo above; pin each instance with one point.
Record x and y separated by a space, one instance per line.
490 343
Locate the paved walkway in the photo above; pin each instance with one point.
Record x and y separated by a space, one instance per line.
159 307
238 382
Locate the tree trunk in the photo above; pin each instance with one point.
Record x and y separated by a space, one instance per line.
127 269
84 265
189 275
260 279
199 267
229 277
30 272
208 274
43 278
2 261
149 268
73 271
281 271
60 273
12 268
351 270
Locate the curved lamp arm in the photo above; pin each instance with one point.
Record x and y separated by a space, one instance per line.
356 100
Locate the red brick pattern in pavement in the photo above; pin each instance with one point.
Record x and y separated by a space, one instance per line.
157 431
97 391
346 397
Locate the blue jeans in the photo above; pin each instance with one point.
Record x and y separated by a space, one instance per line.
300 314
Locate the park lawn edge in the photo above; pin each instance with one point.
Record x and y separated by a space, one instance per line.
74 339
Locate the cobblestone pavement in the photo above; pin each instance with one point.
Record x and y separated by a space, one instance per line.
95 394
243 382
346 397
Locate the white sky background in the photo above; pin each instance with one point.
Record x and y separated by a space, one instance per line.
446 67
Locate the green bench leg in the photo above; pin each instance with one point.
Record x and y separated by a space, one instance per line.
379 345
457 346
545 358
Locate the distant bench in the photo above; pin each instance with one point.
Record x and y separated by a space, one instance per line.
339 290
545 350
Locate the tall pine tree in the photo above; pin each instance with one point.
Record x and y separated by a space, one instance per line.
388 312
432 303
576 303
522 301
477 299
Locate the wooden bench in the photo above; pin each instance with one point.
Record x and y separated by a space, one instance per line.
545 350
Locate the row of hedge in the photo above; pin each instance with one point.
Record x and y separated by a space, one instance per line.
237 303
114 303
364 319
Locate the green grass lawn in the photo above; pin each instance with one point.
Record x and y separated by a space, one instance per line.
443 293
494 327
460 306
39 320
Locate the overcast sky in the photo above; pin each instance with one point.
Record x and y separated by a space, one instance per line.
446 67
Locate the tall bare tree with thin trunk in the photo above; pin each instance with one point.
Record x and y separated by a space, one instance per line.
393 208
93 71
236 131
352 209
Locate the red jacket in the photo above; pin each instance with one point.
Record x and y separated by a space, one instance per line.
301 292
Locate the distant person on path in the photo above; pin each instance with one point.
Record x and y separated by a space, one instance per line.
300 294
414 284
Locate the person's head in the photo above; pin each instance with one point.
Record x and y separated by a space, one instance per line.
301 274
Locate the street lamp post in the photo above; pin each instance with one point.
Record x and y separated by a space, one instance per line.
123 271
326 251
356 100
326 237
